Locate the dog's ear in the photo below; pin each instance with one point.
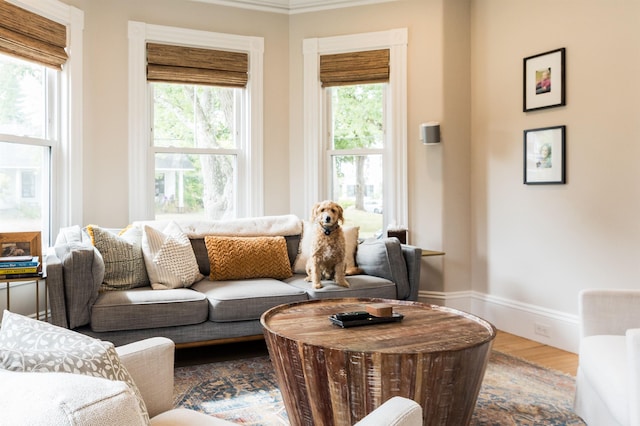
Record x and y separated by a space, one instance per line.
340 214
314 211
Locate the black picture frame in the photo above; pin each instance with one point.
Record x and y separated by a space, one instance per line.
544 80
545 156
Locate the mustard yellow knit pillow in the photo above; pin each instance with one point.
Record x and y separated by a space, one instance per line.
235 258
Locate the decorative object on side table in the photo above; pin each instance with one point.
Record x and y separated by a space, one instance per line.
544 156
20 254
544 80
20 262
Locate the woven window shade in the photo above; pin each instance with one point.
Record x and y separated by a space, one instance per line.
189 65
29 36
371 66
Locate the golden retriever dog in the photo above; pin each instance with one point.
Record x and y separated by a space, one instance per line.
327 245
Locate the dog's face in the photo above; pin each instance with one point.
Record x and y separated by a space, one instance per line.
327 213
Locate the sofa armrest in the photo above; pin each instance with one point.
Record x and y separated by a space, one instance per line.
150 363
413 257
76 277
55 289
606 312
397 411
66 399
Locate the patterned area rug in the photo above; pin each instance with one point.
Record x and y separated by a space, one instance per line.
514 392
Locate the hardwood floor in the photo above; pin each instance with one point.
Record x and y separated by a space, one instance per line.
538 353
535 352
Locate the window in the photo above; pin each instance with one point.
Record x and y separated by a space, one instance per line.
355 127
202 158
197 146
36 139
355 149
26 144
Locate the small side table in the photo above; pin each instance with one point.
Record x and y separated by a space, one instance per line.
37 280
432 253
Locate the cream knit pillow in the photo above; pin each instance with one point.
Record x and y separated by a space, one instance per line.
169 257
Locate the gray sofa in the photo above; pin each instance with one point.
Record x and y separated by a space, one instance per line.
210 311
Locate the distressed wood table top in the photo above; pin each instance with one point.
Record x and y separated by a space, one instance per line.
425 328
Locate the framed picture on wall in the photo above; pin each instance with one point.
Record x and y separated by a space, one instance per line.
544 156
544 80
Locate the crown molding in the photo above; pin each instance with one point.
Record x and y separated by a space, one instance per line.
291 7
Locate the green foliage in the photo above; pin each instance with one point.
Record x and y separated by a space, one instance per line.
358 120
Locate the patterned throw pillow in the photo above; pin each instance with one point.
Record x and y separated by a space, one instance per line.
170 260
30 345
236 258
124 266
304 251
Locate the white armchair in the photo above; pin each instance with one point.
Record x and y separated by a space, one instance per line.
39 398
608 378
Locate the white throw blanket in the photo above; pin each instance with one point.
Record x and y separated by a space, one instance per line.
246 227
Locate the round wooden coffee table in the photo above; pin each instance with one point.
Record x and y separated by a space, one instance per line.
335 376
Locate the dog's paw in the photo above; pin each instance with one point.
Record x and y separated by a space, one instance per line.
318 285
307 279
343 283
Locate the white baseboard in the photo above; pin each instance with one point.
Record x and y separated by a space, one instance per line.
553 328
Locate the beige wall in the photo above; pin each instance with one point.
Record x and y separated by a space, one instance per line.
105 94
540 245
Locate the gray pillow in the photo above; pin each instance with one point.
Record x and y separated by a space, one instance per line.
383 258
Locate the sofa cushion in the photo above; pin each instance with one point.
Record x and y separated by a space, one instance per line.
66 399
122 255
35 346
235 258
359 286
304 251
143 307
169 257
246 299
604 364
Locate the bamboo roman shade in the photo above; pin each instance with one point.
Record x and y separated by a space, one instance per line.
30 36
189 65
371 66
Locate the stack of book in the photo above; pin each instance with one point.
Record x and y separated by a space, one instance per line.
20 267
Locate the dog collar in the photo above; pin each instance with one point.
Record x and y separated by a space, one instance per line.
327 231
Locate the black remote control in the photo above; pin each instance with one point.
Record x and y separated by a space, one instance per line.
352 316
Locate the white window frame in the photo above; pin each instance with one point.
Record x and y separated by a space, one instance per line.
66 157
141 159
395 151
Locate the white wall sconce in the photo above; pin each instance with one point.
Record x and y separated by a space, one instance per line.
430 132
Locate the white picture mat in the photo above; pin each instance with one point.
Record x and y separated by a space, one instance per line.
536 169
